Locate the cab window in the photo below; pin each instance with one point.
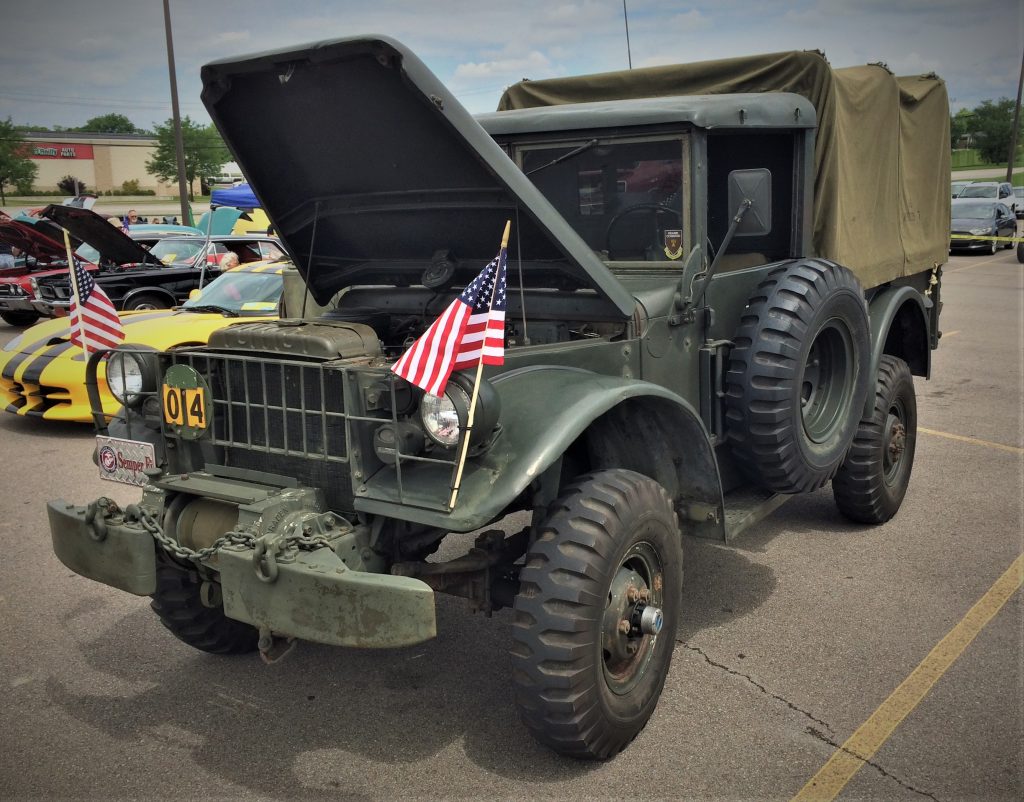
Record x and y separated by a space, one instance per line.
626 199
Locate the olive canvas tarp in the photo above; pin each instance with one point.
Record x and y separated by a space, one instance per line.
882 154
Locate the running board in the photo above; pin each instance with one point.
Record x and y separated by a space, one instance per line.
747 506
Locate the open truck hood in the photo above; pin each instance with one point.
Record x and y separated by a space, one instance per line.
90 228
367 166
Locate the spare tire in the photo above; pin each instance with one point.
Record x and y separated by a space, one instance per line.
798 378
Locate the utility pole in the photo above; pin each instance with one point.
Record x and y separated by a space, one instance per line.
179 142
625 17
1016 125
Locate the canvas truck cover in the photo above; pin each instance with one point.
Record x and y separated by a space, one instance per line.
882 155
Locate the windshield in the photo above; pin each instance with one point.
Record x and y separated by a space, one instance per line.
179 250
87 253
244 292
980 191
974 211
624 199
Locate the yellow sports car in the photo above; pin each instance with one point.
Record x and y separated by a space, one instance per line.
43 375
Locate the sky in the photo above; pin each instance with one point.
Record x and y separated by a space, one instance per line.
66 61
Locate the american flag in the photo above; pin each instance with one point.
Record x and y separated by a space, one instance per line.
92 317
470 327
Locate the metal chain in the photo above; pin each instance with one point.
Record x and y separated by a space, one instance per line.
301 541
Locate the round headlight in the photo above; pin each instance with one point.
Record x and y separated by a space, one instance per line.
129 376
444 416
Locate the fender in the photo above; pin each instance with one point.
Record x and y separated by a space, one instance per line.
545 409
148 291
883 310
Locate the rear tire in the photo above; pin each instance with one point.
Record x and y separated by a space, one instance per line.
583 687
19 318
872 481
177 602
797 377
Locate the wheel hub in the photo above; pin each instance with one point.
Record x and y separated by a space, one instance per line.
632 618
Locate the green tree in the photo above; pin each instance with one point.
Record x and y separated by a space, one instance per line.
992 123
110 124
15 167
959 126
205 153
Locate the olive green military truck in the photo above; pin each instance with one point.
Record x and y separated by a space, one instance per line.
722 278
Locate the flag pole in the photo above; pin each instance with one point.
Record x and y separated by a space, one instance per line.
476 383
76 294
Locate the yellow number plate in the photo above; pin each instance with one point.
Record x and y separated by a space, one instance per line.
185 406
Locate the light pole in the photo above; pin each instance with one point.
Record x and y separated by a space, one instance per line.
1016 125
179 142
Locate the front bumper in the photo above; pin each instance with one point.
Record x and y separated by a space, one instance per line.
16 304
314 597
51 308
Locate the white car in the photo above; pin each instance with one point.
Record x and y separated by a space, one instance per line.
1000 191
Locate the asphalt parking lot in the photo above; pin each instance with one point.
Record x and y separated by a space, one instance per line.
792 645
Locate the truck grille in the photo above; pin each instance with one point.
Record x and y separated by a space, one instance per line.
54 292
279 416
301 419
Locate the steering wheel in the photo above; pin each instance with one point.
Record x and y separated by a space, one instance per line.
654 208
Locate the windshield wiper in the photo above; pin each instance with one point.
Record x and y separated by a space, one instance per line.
211 308
585 146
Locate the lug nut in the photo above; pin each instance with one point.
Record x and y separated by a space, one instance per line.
624 626
632 594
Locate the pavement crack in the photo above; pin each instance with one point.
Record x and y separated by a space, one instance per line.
822 737
755 683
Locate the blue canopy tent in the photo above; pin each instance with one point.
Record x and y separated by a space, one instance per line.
228 205
240 196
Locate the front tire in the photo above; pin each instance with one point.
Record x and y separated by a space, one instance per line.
19 318
588 668
178 603
870 486
146 302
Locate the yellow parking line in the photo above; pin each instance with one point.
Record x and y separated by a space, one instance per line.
950 333
976 263
869 737
972 440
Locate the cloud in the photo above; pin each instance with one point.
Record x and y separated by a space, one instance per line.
108 55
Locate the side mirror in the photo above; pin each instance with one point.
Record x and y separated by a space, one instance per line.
754 186
194 294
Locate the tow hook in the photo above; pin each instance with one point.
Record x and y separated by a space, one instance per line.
96 515
272 648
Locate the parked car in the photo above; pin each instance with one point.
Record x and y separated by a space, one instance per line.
1000 191
43 375
957 187
1018 194
136 278
980 219
43 253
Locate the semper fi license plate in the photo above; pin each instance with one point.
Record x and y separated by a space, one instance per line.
124 460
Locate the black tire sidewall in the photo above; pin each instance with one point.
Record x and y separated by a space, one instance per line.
860 488
766 424
19 318
156 301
